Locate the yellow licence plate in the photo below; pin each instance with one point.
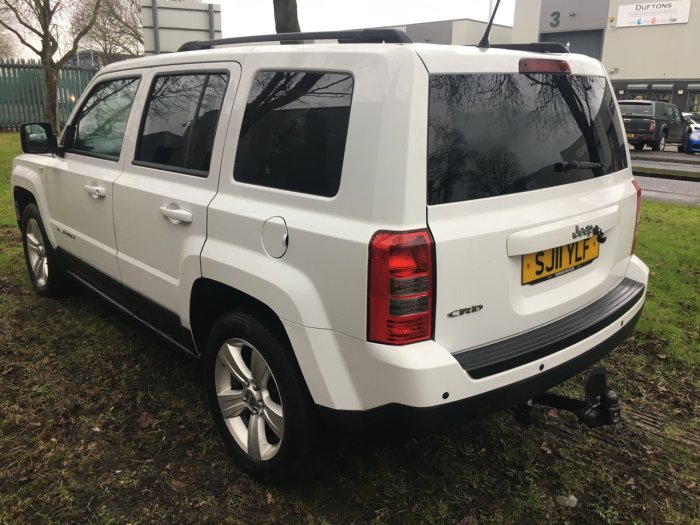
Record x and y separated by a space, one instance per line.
630 135
547 264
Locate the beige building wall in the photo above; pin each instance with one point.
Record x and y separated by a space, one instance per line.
470 32
526 21
652 52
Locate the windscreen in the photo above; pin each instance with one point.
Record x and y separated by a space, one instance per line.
636 108
498 134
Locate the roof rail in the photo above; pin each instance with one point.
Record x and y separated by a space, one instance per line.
358 36
535 47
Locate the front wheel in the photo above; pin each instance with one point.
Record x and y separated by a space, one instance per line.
47 277
258 398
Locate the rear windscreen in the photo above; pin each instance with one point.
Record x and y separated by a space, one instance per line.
497 134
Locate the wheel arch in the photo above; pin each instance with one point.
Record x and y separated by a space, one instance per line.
22 197
210 299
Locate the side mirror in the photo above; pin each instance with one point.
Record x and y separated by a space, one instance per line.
37 137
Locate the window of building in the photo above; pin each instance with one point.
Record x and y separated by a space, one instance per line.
294 131
662 92
180 122
98 129
693 98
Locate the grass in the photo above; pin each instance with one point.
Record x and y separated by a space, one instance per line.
101 422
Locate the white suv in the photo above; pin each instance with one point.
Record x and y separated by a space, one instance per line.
347 233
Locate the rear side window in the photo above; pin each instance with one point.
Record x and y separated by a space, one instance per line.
498 134
99 126
180 122
294 131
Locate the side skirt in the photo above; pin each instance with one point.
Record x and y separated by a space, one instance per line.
117 295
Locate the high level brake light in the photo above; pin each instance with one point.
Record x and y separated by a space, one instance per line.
639 213
401 280
544 65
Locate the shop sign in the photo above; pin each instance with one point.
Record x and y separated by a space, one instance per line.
653 13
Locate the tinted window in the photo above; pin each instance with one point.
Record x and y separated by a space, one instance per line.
101 122
496 134
180 121
294 131
634 108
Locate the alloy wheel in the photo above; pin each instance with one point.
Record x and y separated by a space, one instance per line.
249 399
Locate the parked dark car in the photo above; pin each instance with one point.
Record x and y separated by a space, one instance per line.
652 123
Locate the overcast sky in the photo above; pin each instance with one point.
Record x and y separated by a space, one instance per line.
251 17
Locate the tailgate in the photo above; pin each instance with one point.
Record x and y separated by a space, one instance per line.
530 201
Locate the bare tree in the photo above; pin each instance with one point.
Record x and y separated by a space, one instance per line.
48 22
286 19
116 32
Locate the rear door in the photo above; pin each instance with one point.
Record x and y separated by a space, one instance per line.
161 199
676 124
523 168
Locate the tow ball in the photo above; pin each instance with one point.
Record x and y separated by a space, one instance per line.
601 406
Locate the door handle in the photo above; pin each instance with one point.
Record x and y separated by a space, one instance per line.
175 214
95 191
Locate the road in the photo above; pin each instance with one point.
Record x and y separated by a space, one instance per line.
664 164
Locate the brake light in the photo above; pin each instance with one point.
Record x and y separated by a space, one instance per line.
544 65
652 125
639 213
401 280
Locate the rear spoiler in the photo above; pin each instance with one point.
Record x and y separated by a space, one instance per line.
535 47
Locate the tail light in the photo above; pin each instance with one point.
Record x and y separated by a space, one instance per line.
639 213
652 125
401 281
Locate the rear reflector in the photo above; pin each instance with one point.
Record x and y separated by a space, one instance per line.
639 214
544 65
400 296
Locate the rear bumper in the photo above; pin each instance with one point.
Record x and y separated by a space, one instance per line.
418 420
354 380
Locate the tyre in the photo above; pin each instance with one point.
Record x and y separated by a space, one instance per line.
660 145
681 148
259 401
638 147
46 275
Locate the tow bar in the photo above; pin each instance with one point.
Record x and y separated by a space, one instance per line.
600 408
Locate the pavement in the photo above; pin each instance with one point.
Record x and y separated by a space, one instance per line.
666 164
668 176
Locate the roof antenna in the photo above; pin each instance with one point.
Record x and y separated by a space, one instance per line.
484 42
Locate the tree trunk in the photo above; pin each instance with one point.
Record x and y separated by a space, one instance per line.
286 20
51 95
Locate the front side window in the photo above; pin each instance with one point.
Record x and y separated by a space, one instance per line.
180 121
294 131
99 126
498 134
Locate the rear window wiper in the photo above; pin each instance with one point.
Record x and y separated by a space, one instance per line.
577 165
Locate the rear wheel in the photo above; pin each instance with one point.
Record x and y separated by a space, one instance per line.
660 145
638 147
47 277
258 398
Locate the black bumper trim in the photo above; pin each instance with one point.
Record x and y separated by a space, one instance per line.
497 357
396 418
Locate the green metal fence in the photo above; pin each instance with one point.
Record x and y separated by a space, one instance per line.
22 92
